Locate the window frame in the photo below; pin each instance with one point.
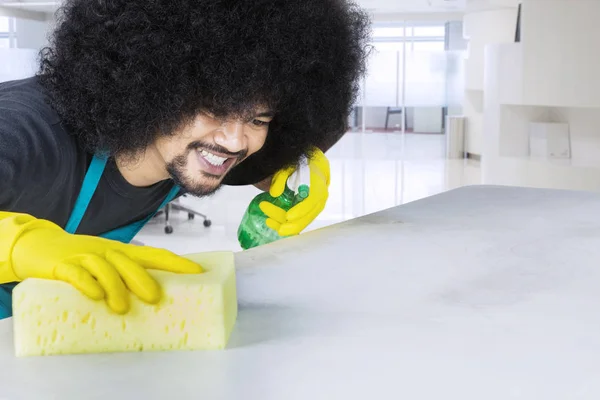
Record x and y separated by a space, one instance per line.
9 35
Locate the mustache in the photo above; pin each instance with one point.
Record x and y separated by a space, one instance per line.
217 149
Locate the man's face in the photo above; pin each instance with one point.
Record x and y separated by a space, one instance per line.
199 157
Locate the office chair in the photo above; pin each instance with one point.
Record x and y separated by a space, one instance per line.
175 206
391 110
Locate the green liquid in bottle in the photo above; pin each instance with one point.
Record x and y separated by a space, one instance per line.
253 230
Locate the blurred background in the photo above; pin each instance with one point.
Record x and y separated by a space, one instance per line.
458 92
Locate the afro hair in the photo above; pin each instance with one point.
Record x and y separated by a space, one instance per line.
121 73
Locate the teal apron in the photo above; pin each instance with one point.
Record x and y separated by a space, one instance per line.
124 234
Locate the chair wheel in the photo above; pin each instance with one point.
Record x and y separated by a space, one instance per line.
191 216
168 229
207 223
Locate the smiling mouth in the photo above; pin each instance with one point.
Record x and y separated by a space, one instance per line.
213 158
212 164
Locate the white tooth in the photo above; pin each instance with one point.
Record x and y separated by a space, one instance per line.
212 158
217 158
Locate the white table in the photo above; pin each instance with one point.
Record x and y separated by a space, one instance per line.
481 293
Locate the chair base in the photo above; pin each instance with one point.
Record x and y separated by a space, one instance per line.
178 207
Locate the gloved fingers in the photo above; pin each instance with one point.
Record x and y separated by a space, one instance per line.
318 193
271 223
320 161
272 211
303 208
295 227
161 259
137 279
80 279
116 293
318 175
279 181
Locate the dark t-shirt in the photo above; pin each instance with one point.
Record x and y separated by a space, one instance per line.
42 168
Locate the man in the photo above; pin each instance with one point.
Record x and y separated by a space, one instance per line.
139 102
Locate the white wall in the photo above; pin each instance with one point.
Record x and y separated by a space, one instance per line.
550 77
483 28
561 39
505 159
32 34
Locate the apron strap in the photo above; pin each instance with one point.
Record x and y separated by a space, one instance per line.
90 182
124 234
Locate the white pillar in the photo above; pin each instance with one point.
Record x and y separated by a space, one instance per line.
480 29
455 40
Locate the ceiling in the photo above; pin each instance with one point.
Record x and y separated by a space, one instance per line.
413 6
31 5
380 7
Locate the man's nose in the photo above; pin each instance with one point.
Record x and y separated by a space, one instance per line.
231 135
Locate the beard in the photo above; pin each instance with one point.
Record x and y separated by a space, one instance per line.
211 184
176 169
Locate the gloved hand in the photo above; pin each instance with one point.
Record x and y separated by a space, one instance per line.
301 215
99 268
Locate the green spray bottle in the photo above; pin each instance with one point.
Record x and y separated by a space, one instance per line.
253 230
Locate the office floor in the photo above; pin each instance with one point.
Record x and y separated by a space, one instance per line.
369 172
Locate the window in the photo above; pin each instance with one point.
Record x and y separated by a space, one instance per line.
7 37
413 33
439 31
428 46
4 25
395 31
388 46
415 79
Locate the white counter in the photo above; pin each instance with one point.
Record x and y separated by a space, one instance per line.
481 293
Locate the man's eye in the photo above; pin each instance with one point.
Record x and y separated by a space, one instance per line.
258 122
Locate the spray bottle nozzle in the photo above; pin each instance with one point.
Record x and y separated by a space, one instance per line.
303 191
299 181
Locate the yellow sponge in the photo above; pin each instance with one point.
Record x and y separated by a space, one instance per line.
197 312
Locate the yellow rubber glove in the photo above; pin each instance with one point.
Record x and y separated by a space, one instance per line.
301 215
99 268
